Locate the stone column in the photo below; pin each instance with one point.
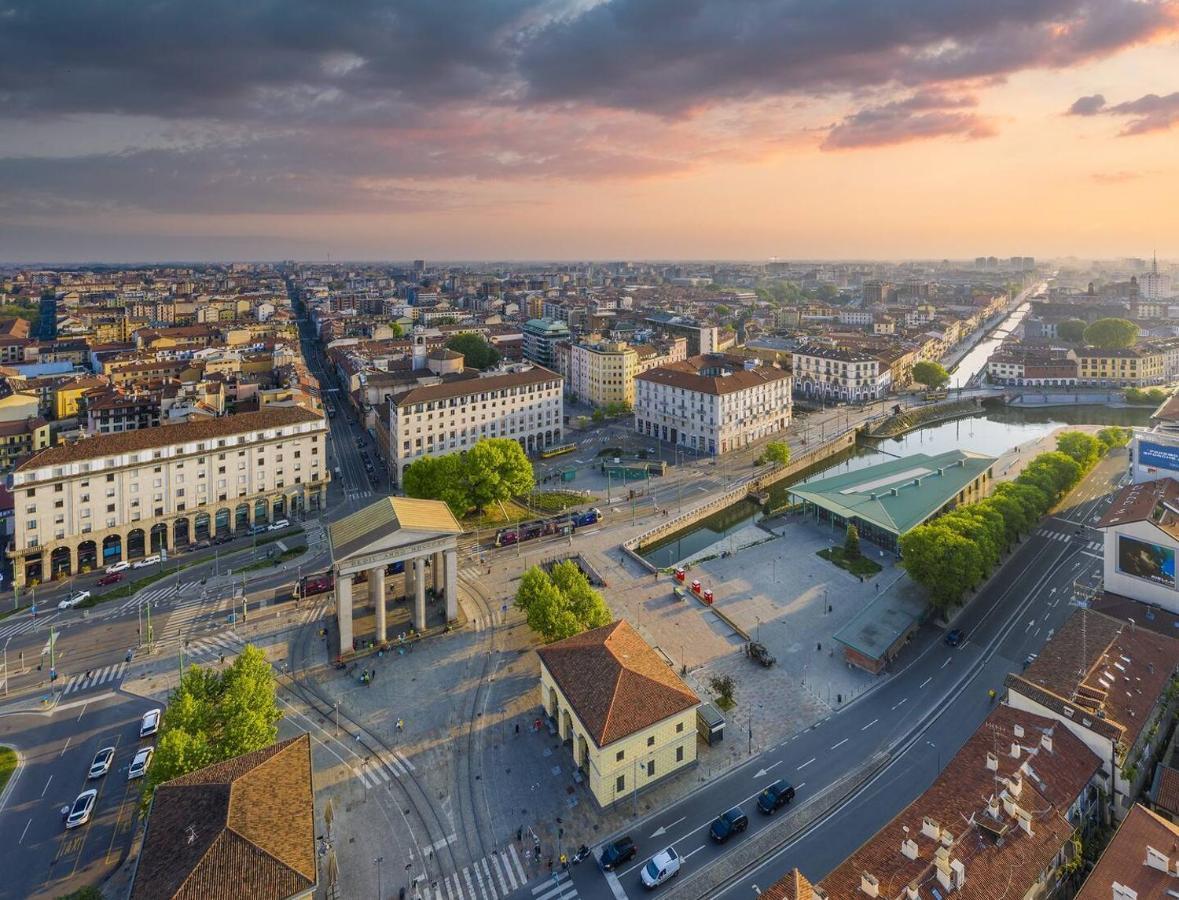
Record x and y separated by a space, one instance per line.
451 586
419 593
409 579
344 611
376 596
436 564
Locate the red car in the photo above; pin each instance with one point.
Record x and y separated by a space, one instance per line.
112 578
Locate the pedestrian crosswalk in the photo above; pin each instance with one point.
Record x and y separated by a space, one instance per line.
216 645
382 766
495 876
317 609
1095 546
111 676
25 625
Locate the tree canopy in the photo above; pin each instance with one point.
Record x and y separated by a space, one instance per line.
493 470
931 374
213 716
1071 330
560 603
1084 448
1111 334
776 452
476 352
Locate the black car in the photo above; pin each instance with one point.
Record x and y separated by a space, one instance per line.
728 824
775 796
223 539
618 852
954 637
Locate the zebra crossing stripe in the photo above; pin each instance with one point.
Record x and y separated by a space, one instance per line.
487 872
70 684
501 861
405 762
470 884
519 865
452 892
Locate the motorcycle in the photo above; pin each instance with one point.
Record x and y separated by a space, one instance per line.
582 852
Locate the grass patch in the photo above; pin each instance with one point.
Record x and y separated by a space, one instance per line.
272 536
7 765
610 451
495 517
556 501
723 704
857 565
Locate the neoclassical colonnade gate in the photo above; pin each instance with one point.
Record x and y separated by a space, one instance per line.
420 534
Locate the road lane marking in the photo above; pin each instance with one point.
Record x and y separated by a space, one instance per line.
926 681
840 744
900 702
23 833
65 746
869 725
805 764
46 788
947 662
697 850
449 839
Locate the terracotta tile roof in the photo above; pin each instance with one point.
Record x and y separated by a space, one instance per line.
1107 673
691 374
1165 792
246 822
794 886
1125 858
1145 502
147 438
957 808
616 684
464 385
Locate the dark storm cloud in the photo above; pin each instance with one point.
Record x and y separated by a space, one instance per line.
305 59
1087 106
924 115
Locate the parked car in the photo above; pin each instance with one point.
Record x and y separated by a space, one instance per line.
258 529
775 796
150 724
280 525
618 852
661 867
223 539
102 762
112 578
953 637
140 763
79 813
121 566
727 824
146 561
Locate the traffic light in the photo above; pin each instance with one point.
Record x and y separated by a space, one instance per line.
53 674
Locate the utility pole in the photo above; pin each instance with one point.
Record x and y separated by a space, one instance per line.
52 654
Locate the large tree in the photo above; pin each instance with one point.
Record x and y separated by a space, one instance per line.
931 374
1111 334
942 561
560 604
439 478
1071 330
476 352
213 716
496 469
1082 447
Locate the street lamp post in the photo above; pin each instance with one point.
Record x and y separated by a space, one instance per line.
378 861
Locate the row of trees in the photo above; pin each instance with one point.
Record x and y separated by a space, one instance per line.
956 551
1105 334
560 603
493 470
215 715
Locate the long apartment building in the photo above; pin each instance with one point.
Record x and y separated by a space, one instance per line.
713 403
831 373
603 372
451 408
123 496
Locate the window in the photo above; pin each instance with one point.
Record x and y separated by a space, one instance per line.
679 727
110 507
31 524
651 741
620 756
110 477
650 768
620 784
57 488
679 754
58 504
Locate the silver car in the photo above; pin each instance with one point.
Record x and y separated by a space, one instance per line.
79 813
140 763
102 762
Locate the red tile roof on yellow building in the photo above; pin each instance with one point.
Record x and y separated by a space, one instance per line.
1143 856
616 684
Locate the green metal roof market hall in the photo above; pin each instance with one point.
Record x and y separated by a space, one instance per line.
886 500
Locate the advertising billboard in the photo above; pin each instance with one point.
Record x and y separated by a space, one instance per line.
1150 562
1159 456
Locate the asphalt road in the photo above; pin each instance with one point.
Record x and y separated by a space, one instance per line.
921 716
38 857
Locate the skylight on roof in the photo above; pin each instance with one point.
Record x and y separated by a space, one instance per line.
887 480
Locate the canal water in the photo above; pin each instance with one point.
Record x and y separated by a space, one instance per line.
993 432
974 361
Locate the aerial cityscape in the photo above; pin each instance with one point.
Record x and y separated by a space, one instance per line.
589 451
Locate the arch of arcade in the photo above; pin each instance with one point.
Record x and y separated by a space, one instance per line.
422 535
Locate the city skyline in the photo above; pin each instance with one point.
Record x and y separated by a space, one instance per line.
554 130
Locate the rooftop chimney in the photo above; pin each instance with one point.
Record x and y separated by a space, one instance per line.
1121 892
959 872
1025 819
869 885
992 762
1017 730
930 827
909 848
1157 860
1015 749
1046 742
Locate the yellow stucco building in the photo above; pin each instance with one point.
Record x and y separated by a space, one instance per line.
629 720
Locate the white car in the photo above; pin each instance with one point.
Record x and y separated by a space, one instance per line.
73 600
150 724
140 763
102 762
146 561
279 525
79 813
121 566
661 867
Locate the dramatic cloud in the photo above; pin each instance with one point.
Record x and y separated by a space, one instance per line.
919 117
1146 114
1087 106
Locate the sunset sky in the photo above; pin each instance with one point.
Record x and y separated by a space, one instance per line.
573 129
